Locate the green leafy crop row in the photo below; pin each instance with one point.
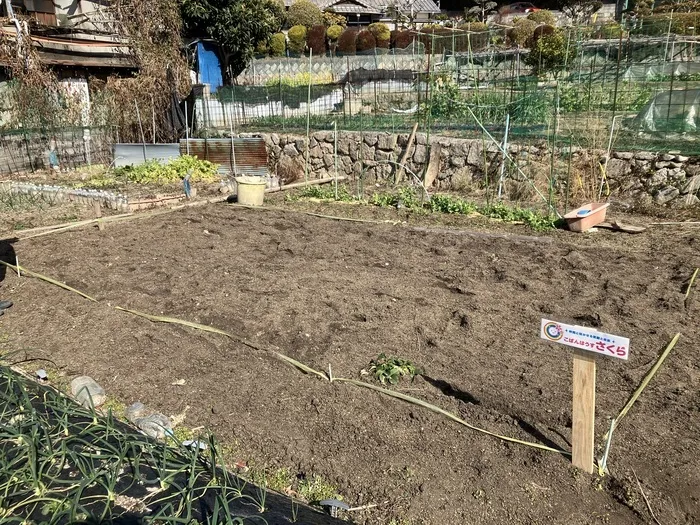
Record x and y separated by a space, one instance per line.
153 172
407 198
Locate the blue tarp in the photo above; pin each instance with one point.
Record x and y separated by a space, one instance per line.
209 65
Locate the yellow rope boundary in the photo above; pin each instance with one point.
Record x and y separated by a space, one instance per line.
297 364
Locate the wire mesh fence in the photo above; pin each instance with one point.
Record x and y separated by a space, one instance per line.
642 92
28 150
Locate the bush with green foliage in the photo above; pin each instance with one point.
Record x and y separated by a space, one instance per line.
550 54
261 48
543 16
153 172
680 23
366 41
278 44
475 27
334 19
381 33
347 42
333 32
522 31
297 39
540 31
477 37
608 30
316 40
304 13
677 6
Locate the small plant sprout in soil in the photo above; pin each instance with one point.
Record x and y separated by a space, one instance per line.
390 370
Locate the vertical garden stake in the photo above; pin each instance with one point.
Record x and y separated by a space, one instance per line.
587 342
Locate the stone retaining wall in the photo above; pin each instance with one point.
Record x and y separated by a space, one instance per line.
641 177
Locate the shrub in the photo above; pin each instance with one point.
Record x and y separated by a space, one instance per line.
316 40
333 32
261 48
681 24
278 44
478 38
381 33
334 19
297 39
347 42
550 54
608 30
542 30
401 39
304 13
522 31
365 41
543 17
475 27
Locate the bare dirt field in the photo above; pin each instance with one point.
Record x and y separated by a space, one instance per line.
465 307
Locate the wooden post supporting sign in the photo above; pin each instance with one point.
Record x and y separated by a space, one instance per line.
583 417
588 342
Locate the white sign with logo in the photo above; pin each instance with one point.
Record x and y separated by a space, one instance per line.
585 339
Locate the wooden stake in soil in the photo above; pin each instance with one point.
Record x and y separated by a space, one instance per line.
402 162
583 427
433 168
98 215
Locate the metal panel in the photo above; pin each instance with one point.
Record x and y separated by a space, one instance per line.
133 154
250 154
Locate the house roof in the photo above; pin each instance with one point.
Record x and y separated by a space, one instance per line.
371 6
80 50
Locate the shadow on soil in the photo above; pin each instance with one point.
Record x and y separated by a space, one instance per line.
456 393
451 391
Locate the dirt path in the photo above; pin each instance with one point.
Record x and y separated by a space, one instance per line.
465 308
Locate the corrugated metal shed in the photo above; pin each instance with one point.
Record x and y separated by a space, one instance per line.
250 154
133 154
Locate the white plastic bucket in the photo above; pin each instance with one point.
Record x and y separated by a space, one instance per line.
251 190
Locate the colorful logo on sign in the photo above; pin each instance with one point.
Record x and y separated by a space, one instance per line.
553 331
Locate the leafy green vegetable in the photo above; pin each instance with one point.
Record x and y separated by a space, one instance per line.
153 172
392 369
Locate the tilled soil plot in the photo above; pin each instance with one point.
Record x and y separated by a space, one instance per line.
466 308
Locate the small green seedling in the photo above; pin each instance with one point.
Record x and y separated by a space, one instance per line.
391 369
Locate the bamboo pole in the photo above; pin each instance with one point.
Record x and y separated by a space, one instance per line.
143 137
645 382
304 184
308 121
400 171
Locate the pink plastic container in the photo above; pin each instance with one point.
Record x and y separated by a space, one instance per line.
587 216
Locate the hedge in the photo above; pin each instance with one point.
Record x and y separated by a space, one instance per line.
381 33
297 39
365 41
347 42
278 44
316 40
304 13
